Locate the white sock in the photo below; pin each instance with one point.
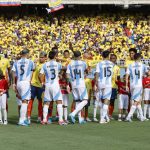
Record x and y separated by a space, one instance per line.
140 111
4 114
79 107
145 109
45 112
104 111
0 114
95 110
149 111
132 110
23 112
119 115
79 116
65 113
60 112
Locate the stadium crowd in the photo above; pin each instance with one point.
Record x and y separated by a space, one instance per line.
70 36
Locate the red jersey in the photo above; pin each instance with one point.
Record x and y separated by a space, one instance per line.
63 86
122 87
146 82
3 84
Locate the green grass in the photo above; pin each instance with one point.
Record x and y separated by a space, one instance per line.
91 136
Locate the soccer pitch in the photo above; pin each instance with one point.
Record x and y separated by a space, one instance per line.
91 136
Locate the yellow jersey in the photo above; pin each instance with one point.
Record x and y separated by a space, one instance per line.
35 77
88 84
128 62
4 65
116 73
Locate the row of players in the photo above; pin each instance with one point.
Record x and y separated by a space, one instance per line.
48 75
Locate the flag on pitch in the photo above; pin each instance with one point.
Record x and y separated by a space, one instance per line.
55 5
10 2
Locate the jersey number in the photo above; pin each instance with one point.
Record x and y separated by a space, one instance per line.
22 70
107 72
53 74
137 73
77 72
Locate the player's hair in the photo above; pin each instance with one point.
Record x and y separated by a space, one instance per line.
43 54
105 54
77 54
1 74
133 50
66 51
52 54
137 56
113 55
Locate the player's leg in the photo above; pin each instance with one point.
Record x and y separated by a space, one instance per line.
106 94
120 107
112 102
80 93
24 91
1 122
50 112
30 104
40 103
87 111
125 106
47 99
4 110
65 106
146 102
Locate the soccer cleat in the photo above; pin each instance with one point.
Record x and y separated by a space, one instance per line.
143 119
66 121
1 122
103 122
128 120
5 122
88 119
72 119
49 121
95 119
38 120
62 123
82 122
44 122
29 121
119 119
23 124
111 118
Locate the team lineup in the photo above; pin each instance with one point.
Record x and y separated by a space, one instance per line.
53 80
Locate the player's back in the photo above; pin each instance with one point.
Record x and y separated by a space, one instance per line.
136 71
76 69
51 70
105 70
23 68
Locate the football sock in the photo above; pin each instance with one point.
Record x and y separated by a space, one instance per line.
139 108
23 112
73 106
79 107
145 109
111 109
95 110
30 105
149 111
0 114
4 113
104 111
119 115
132 110
65 113
45 112
60 111
40 108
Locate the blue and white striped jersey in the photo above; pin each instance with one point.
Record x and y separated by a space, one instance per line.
51 70
105 71
136 70
23 69
76 69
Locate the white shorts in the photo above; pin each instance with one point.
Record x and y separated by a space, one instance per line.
19 102
65 99
146 94
80 93
123 101
105 93
24 90
52 93
3 100
136 93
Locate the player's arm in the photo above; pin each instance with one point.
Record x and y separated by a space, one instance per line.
42 76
